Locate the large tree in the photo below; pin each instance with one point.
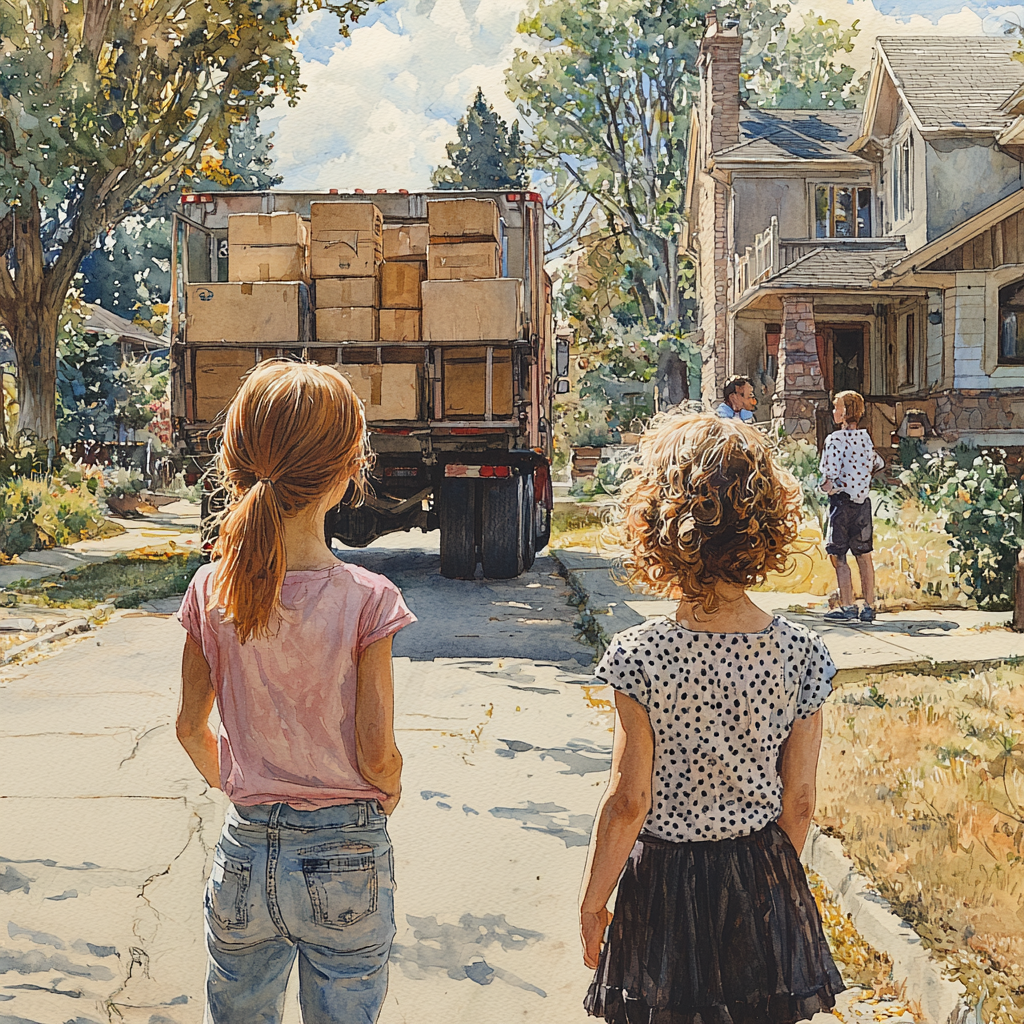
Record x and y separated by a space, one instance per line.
487 154
104 106
606 88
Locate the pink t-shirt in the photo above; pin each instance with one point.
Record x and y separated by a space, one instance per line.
287 702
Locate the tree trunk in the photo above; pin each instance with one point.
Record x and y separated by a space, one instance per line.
34 334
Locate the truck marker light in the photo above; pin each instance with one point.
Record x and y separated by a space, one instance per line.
513 197
196 197
534 197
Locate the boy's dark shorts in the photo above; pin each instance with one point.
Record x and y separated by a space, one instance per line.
849 526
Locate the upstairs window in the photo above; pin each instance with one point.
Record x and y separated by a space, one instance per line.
1011 323
842 211
902 198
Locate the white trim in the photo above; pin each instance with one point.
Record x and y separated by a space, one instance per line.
994 281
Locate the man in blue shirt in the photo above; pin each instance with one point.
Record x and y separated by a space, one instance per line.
739 400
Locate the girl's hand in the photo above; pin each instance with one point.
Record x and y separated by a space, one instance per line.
592 927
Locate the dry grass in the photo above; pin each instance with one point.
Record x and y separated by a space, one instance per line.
923 780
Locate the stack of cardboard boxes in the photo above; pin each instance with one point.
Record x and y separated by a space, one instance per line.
466 299
402 277
345 256
264 302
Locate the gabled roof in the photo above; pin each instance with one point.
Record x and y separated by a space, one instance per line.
831 267
773 135
953 83
102 321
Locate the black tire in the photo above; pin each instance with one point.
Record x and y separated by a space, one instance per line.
501 543
457 518
529 524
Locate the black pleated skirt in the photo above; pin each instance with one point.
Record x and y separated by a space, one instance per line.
720 932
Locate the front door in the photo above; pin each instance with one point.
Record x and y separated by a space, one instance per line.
841 355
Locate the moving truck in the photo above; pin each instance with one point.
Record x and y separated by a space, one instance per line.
435 306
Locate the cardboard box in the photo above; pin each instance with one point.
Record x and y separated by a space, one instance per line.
472 310
465 383
399 325
218 375
352 323
249 313
356 256
335 292
389 391
346 239
463 261
400 285
266 229
329 217
466 219
406 241
268 263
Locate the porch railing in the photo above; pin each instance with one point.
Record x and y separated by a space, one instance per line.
760 260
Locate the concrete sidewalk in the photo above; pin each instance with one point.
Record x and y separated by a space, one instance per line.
932 639
178 522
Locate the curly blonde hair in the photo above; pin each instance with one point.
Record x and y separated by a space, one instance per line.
706 503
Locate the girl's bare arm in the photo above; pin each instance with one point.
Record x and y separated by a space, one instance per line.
798 768
620 817
380 762
192 726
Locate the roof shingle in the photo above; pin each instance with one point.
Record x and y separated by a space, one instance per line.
955 82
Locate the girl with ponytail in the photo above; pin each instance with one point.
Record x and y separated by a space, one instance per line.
294 647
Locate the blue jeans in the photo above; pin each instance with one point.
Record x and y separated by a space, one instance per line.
317 884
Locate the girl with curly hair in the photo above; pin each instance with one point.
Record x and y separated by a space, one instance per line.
717 733
294 647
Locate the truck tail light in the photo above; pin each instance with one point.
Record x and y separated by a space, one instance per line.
484 472
196 197
534 197
514 197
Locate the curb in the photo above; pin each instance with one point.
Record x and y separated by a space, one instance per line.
941 1000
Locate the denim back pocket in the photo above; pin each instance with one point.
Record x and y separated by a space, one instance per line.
342 884
226 895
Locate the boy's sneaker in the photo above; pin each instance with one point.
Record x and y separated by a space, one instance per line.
843 614
867 614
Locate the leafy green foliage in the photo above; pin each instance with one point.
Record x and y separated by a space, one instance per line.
98 393
798 67
487 155
801 459
104 108
982 505
43 512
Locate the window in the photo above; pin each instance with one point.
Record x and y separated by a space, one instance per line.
909 348
842 211
1011 323
902 202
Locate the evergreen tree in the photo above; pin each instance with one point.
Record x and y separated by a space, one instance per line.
487 155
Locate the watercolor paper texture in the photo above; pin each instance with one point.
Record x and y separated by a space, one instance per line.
516 264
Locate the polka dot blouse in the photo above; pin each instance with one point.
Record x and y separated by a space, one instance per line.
849 460
721 705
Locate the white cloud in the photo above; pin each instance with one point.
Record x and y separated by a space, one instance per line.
380 106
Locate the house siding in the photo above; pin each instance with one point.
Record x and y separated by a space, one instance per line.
964 177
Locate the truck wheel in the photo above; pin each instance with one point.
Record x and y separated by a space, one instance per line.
457 516
501 545
529 524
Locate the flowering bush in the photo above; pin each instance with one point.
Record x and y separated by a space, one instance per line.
42 513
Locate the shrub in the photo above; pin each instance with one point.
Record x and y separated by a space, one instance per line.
801 459
36 514
982 506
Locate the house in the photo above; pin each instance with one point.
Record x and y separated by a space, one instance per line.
135 341
879 250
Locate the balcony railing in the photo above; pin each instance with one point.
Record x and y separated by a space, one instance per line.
770 255
760 261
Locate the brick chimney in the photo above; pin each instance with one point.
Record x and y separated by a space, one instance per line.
719 65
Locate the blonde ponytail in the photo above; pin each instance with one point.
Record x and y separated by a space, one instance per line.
291 433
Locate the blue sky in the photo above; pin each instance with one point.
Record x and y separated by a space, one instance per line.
380 106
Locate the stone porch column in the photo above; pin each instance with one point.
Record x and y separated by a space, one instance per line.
800 385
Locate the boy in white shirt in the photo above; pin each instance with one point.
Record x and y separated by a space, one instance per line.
848 463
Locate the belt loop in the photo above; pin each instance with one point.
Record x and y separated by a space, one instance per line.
275 813
363 815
